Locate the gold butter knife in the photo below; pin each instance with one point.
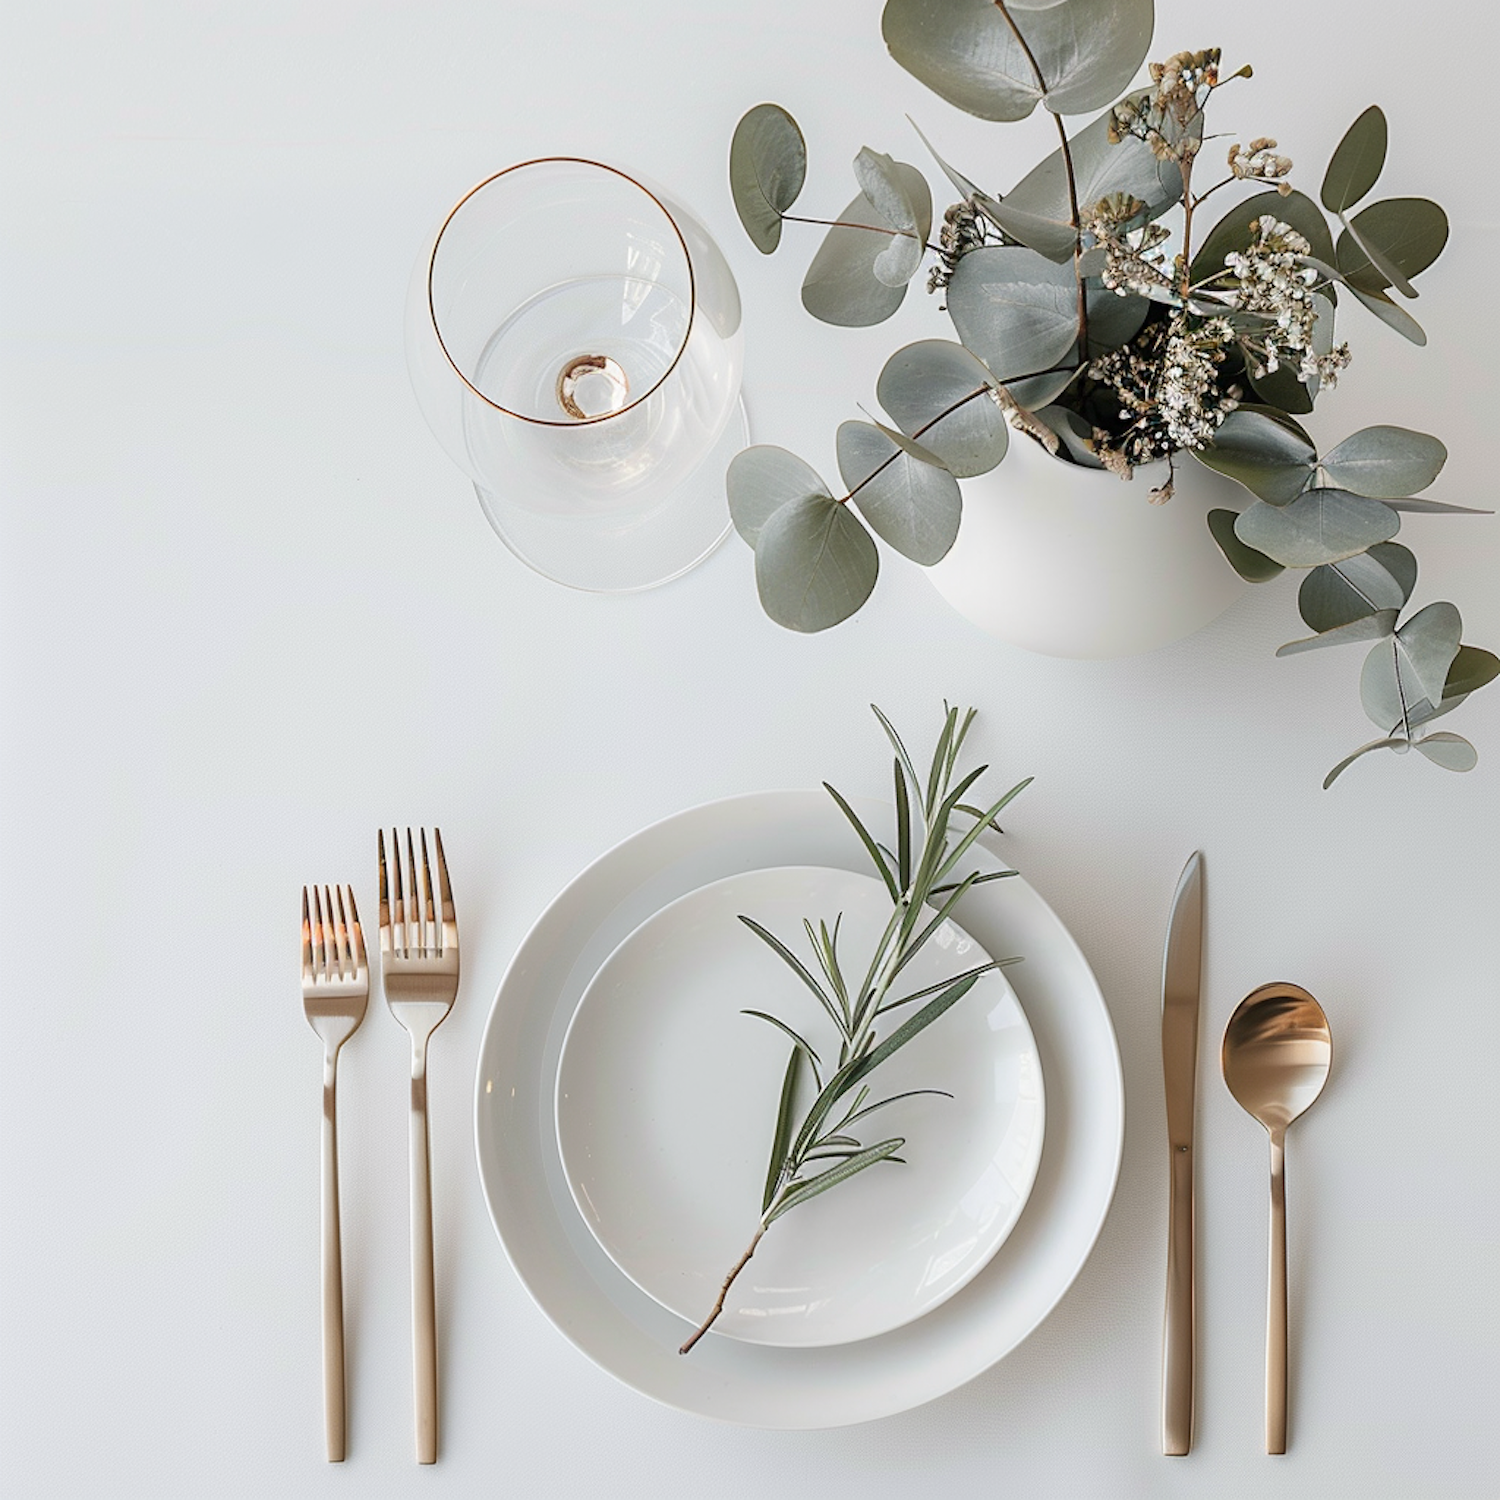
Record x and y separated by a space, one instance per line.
1181 979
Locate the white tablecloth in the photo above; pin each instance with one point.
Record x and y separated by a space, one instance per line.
250 611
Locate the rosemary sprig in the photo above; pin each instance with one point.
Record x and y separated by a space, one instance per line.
817 1151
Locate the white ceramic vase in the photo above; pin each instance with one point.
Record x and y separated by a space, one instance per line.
1069 561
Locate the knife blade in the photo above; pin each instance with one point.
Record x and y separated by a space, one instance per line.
1181 982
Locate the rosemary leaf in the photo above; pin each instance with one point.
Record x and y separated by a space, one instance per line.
777 1168
903 828
867 841
797 966
832 1177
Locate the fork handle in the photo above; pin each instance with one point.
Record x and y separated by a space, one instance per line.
333 1273
423 1298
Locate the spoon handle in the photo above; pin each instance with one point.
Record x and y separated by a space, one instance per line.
1276 1304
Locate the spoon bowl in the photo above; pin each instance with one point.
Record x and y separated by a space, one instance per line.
1278 1050
1277 1053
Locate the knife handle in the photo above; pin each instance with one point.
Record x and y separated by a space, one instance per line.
1177 1331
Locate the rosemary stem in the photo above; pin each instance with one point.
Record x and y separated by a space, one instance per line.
739 1266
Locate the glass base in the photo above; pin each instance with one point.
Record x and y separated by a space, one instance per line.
599 555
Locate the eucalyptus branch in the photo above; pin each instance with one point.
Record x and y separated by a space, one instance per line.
820 1137
904 234
1067 156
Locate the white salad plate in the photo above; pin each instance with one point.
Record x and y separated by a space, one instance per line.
667 1097
628 1333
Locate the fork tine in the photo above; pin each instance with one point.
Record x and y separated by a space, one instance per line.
385 900
307 953
398 908
360 961
445 891
414 928
434 937
341 934
320 953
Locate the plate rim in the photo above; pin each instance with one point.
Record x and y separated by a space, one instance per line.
874 885
1108 1170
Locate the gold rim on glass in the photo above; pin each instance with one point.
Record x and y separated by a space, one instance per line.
582 161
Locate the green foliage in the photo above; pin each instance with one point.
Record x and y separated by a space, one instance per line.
930 848
1063 298
767 166
971 53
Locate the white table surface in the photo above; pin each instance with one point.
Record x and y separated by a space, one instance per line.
250 611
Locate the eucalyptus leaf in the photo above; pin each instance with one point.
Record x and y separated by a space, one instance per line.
966 51
1320 526
1233 231
1252 566
1450 751
888 191
1388 313
1386 463
1100 168
760 480
1356 162
1348 760
1015 309
929 388
815 564
1436 508
1391 694
767 167
1113 320
1406 234
1473 667
964 187
1272 459
901 489
1283 388
1056 239
1388 272
841 286
1336 594
1369 628
1429 642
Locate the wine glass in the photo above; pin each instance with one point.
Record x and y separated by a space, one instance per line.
574 341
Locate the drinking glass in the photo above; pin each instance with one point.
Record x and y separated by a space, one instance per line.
573 337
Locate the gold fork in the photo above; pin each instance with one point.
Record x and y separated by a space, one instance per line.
419 959
335 987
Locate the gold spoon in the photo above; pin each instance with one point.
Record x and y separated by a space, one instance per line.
1277 1052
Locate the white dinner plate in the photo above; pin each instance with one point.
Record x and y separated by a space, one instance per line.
630 1335
667 1096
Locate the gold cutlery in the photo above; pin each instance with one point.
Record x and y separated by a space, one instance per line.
419 962
335 988
1182 966
1277 1053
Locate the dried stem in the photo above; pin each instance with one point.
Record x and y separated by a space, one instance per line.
724 1292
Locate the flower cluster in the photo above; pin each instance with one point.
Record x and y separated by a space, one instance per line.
1167 117
1133 258
1166 382
1258 162
963 230
1272 283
